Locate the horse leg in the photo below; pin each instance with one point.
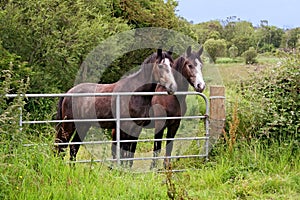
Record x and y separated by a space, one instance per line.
160 125
79 135
172 129
132 150
74 147
64 134
132 145
157 146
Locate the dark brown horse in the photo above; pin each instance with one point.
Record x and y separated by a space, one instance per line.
156 69
128 148
189 70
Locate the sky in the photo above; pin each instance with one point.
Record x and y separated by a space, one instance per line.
281 13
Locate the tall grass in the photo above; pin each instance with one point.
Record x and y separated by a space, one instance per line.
253 171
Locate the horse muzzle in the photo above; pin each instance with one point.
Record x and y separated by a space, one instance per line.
171 89
200 87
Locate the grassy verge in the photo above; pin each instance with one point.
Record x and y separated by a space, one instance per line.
250 171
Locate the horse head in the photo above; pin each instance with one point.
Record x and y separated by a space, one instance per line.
193 69
162 71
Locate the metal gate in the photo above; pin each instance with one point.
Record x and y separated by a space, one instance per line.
118 119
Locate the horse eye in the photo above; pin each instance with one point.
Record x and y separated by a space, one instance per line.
160 66
190 66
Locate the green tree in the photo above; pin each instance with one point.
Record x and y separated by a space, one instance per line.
215 48
55 36
206 30
267 37
243 35
291 38
145 13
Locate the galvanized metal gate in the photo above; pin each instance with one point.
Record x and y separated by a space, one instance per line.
118 120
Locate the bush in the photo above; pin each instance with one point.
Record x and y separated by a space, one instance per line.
250 56
11 134
233 51
276 94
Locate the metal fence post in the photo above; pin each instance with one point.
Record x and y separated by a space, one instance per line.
118 149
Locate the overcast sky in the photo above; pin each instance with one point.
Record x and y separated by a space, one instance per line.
280 13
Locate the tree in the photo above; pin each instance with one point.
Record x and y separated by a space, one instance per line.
145 13
55 36
206 30
290 38
267 36
215 48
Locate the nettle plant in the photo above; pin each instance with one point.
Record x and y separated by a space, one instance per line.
10 82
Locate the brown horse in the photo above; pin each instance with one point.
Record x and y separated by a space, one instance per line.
154 70
128 148
189 70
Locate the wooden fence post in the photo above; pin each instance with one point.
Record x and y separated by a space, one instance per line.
217 113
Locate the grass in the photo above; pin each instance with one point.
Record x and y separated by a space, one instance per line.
250 171
246 170
230 72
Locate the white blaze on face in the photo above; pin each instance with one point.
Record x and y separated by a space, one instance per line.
199 82
170 83
167 62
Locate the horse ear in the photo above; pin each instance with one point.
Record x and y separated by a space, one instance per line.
170 52
199 53
159 53
189 51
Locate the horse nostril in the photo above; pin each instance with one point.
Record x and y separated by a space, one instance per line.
200 87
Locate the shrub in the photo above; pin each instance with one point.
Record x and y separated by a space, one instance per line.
233 51
277 91
10 109
250 56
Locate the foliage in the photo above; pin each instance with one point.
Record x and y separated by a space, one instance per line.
277 90
291 38
12 64
268 35
144 13
10 109
215 48
231 136
250 56
55 37
233 51
207 30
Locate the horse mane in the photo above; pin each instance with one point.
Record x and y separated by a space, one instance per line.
150 60
153 56
179 63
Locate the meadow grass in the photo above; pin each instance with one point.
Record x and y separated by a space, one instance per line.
250 171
